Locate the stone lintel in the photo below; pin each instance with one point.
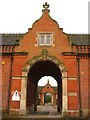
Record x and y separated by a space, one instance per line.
19 77
72 94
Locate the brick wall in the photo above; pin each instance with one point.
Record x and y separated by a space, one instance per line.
27 44
84 82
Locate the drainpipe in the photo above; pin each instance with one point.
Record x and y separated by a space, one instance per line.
7 111
80 107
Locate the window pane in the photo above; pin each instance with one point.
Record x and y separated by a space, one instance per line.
77 49
87 49
13 49
3 49
48 39
9 49
6 49
80 49
47 87
42 39
84 49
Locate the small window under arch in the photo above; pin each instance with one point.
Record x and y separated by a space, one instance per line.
2 49
80 49
9 49
84 49
77 49
87 49
6 49
13 49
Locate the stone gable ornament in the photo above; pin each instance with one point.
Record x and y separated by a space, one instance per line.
46 6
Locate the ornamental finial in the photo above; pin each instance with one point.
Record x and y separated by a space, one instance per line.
48 81
46 6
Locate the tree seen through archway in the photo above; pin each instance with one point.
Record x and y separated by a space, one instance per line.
48 98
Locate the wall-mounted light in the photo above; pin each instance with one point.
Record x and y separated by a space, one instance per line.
3 62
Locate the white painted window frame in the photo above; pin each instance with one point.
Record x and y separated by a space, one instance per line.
45 33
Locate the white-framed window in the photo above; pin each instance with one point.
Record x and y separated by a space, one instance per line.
42 39
45 39
48 40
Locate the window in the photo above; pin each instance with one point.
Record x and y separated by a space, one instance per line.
9 49
80 49
13 49
45 40
47 87
6 49
87 49
41 39
77 49
48 38
3 49
84 49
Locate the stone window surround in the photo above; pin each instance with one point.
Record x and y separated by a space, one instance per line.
44 33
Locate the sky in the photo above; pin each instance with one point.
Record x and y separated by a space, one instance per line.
19 15
16 16
43 81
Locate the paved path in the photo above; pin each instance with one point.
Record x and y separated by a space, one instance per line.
48 110
45 111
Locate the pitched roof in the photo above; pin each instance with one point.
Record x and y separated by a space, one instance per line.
10 39
76 39
80 39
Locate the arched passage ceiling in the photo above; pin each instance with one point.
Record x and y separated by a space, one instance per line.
44 68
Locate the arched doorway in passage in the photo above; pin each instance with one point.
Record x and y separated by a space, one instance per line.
48 98
33 71
47 90
39 69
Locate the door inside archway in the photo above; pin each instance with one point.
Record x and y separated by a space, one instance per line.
38 70
48 99
47 90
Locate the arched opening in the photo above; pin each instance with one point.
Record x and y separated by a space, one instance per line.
48 99
47 91
38 70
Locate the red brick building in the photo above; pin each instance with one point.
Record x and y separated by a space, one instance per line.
43 90
45 50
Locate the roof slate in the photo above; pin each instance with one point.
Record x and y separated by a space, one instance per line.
10 39
76 39
80 39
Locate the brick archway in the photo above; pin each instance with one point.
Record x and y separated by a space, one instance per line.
44 57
